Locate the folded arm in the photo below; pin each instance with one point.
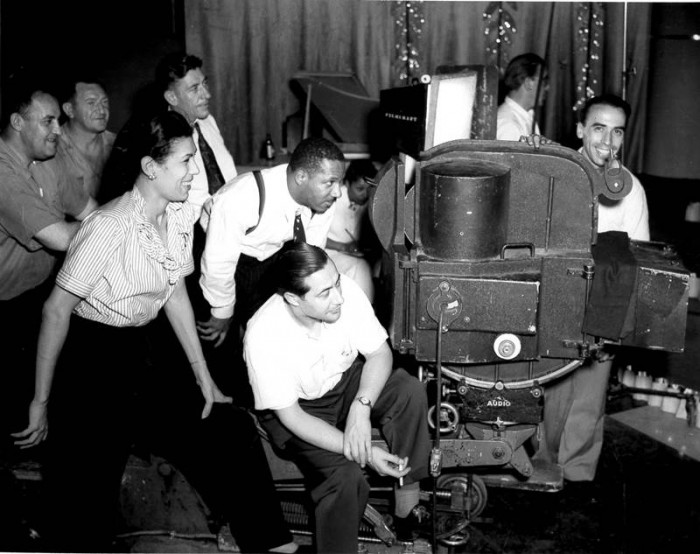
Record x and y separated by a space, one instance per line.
57 236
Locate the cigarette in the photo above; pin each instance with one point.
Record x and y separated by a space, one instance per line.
401 478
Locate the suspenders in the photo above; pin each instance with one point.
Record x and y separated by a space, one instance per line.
261 190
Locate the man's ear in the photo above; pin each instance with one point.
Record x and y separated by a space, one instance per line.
301 176
68 109
16 121
579 130
291 298
170 97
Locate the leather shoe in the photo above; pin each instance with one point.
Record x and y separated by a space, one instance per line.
419 524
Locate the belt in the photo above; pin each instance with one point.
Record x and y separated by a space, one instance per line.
351 248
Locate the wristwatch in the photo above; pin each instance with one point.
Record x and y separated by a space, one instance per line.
364 401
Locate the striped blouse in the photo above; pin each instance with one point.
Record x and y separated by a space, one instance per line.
118 264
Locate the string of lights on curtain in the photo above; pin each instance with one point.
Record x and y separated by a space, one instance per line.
408 25
500 28
588 59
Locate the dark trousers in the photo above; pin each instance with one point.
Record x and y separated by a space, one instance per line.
226 360
253 286
108 397
338 487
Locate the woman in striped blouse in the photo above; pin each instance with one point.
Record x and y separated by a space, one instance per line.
128 261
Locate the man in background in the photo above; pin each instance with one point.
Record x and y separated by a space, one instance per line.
575 406
181 85
185 88
347 237
38 219
85 143
526 86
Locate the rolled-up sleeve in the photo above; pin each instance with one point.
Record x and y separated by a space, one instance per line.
23 212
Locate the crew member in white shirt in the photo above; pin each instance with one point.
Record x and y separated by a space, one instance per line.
526 89
574 409
346 239
321 369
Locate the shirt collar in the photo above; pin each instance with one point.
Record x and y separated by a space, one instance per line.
518 108
15 158
292 205
140 203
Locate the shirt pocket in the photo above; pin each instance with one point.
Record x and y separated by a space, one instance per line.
340 356
311 379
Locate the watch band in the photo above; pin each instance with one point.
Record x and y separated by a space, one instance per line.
364 401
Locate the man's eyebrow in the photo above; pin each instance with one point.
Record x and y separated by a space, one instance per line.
325 289
337 282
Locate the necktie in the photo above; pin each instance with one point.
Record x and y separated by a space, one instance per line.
299 233
214 176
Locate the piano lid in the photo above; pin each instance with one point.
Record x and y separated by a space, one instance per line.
342 101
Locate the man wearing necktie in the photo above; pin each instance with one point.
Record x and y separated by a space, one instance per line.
242 238
185 89
180 85
180 78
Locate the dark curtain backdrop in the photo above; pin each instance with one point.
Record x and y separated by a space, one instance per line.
251 48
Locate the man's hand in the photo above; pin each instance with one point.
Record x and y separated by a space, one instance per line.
536 140
214 330
38 427
602 355
385 463
357 438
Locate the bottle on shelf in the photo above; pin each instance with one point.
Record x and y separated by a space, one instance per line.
267 152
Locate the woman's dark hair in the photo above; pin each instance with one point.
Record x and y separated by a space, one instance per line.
160 133
154 137
294 263
143 135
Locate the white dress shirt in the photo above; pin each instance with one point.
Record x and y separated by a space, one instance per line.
630 214
514 121
235 210
347 221
199 193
